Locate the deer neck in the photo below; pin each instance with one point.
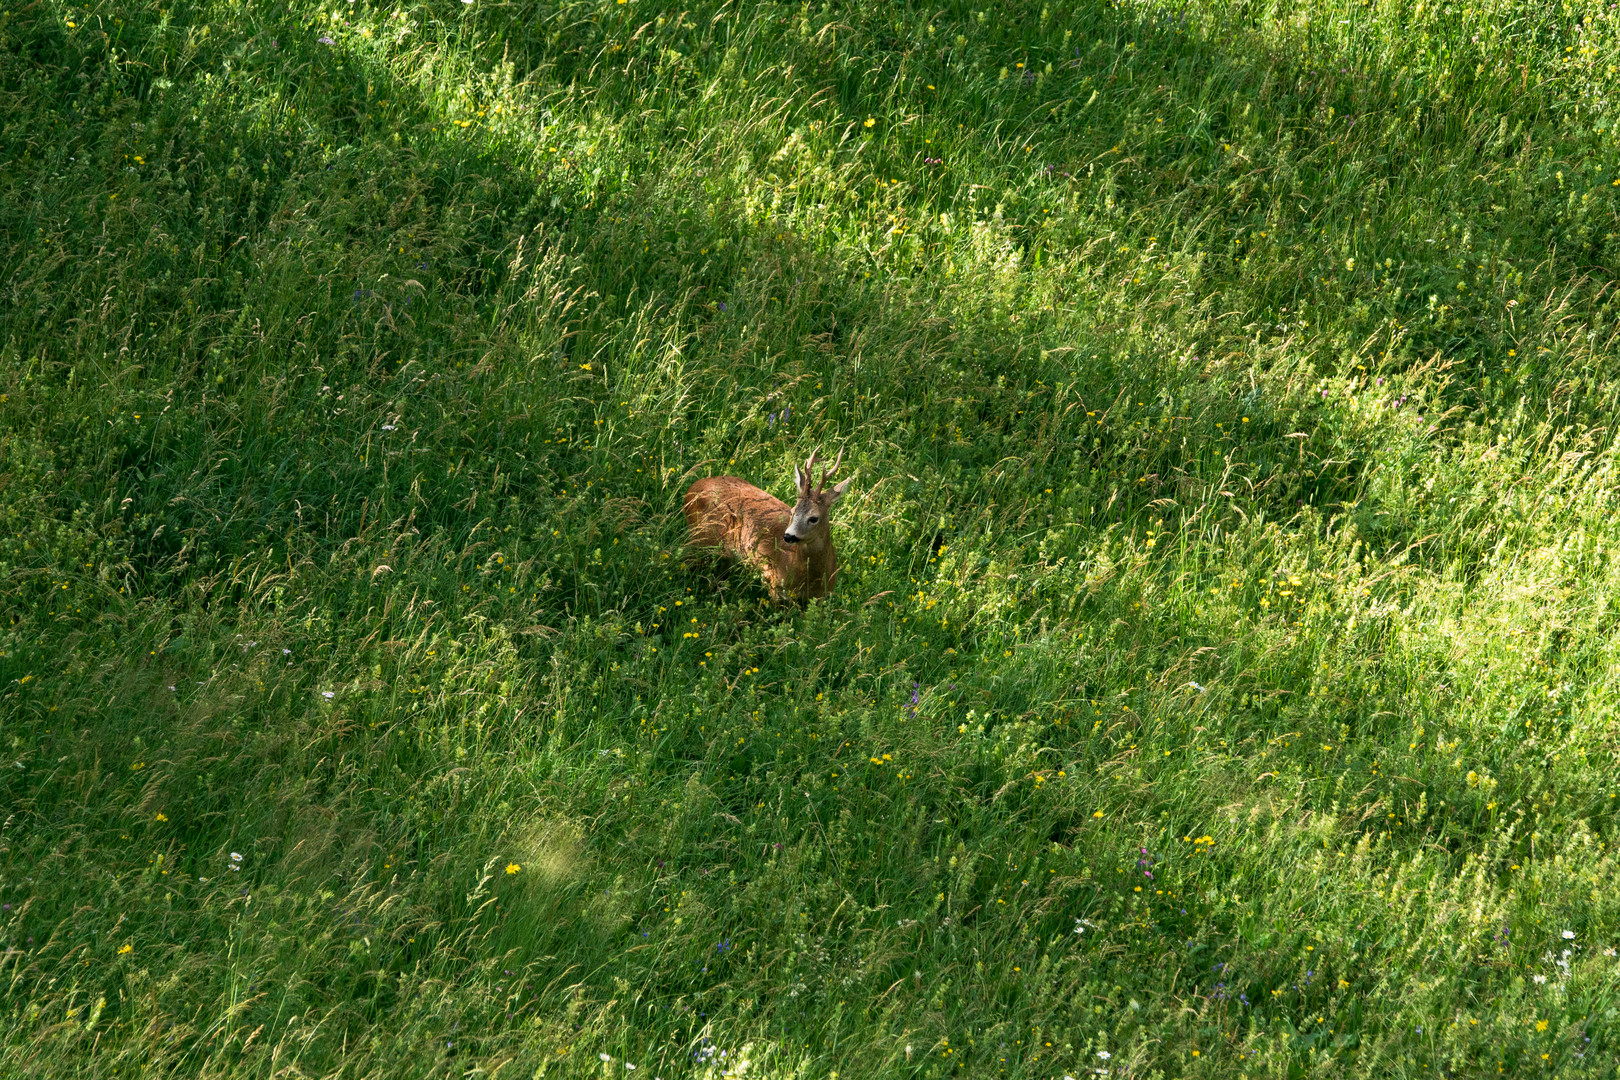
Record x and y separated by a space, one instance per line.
820 561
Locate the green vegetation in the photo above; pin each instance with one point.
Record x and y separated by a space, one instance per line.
1222 677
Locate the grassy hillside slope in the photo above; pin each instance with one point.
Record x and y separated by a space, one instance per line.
1222 677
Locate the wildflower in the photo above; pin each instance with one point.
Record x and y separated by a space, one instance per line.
161 816
1538 978
512 868
1569 935
1541 1025
870 121
1105 1055
328 695
126 947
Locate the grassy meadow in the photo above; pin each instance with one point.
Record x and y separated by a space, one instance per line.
1222 676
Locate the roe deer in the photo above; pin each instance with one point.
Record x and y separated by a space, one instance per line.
791 546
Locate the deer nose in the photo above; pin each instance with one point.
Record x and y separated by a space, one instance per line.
790 538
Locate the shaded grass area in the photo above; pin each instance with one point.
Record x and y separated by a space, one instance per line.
1219 678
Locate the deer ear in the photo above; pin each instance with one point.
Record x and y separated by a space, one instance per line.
798 479
836 492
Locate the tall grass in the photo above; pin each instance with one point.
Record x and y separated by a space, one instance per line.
1220 680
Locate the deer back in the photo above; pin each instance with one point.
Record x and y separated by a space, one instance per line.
729 513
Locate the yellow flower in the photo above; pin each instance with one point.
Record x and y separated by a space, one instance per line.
512 868
162 816
1541 1025
125 948
1097 814
870 121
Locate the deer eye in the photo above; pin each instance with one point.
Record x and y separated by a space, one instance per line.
814 519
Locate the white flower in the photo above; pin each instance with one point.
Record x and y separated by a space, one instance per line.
1609 951
629 1066
1105 1055
236 856
604 1057
1569 935
327 694
1539 978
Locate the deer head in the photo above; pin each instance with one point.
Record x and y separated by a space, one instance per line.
809 523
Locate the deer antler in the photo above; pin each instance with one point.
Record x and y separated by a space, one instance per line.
831 471
809 481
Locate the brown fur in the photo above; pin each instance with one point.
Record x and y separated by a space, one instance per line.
737 518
